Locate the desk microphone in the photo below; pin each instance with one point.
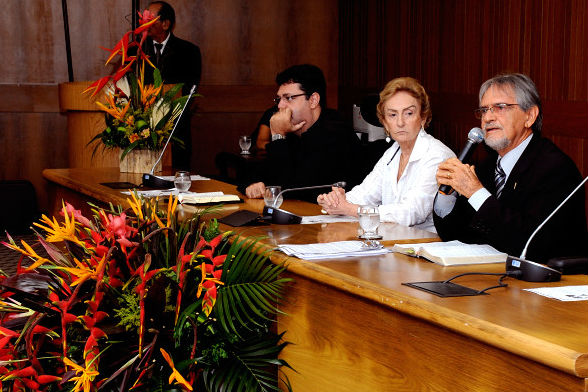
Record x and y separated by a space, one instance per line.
284 217
149 179
475 136
534 272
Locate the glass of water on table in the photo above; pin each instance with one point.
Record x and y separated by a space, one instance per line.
182 181
369 221
245 144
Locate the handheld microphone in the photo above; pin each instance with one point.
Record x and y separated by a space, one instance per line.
475 136
530 271
149 179
284 217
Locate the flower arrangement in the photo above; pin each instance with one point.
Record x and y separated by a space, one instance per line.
134 300
138 115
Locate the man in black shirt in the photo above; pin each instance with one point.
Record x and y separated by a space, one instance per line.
311 145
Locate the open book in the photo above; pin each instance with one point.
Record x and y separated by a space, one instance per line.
452 252
207 198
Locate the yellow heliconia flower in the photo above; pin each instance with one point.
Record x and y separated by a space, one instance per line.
60 233
83 272
114 110
136 206
83 380
172 204
175 374
149 93
28 251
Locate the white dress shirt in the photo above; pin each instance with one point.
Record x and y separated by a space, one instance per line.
408 201
507 162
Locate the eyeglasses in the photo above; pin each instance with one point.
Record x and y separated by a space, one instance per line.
288 98
498 109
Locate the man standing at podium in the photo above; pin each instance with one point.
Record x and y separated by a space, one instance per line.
179 61
310 144
510 194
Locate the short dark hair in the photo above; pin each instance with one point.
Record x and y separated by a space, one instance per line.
311 80
166 12
524 89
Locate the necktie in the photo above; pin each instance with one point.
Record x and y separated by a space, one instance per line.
499 178
158 47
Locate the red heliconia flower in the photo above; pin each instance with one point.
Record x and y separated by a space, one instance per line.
46 379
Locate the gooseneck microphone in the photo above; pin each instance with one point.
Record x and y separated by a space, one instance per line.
149 179
530 271
475 136
279 216
339 184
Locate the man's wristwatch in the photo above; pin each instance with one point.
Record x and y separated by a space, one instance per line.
277 136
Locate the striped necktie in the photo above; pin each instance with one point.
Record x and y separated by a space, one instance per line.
499 178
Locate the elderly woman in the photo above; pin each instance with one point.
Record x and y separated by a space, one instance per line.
403 182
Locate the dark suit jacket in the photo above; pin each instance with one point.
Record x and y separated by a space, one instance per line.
541 179
181 62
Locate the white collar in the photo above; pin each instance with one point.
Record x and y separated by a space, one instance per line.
419 148
510 159
162 43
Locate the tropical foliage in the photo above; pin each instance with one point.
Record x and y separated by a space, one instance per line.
134 300
138 115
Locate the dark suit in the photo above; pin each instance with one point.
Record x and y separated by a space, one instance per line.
180 62
541 179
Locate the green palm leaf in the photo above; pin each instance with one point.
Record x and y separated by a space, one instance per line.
253 287
250 368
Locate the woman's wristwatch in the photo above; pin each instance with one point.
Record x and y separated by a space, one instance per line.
277 136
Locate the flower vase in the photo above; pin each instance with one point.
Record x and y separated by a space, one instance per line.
140 161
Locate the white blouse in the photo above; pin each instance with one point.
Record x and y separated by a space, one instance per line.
408 201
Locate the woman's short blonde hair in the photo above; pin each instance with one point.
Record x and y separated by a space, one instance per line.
412 87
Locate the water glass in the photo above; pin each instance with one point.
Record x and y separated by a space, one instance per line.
270 196
245 144
369 221
182 181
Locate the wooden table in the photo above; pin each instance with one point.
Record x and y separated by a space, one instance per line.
355 327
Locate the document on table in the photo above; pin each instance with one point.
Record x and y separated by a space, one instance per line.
563 293
327 219
174 192
306 220
193 177
332 250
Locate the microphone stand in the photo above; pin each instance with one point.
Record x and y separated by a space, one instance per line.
279 216
149 179
530 271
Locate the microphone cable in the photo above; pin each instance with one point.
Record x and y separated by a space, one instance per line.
500 280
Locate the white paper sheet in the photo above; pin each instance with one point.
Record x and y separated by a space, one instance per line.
563 293
332 250
327 219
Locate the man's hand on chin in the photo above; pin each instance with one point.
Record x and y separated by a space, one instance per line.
281 122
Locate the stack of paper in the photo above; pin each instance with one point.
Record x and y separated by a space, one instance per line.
333 250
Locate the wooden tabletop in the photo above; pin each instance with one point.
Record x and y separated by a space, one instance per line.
545 330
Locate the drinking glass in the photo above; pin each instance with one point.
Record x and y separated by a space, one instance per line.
369 220
245 144
270 197
182 181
